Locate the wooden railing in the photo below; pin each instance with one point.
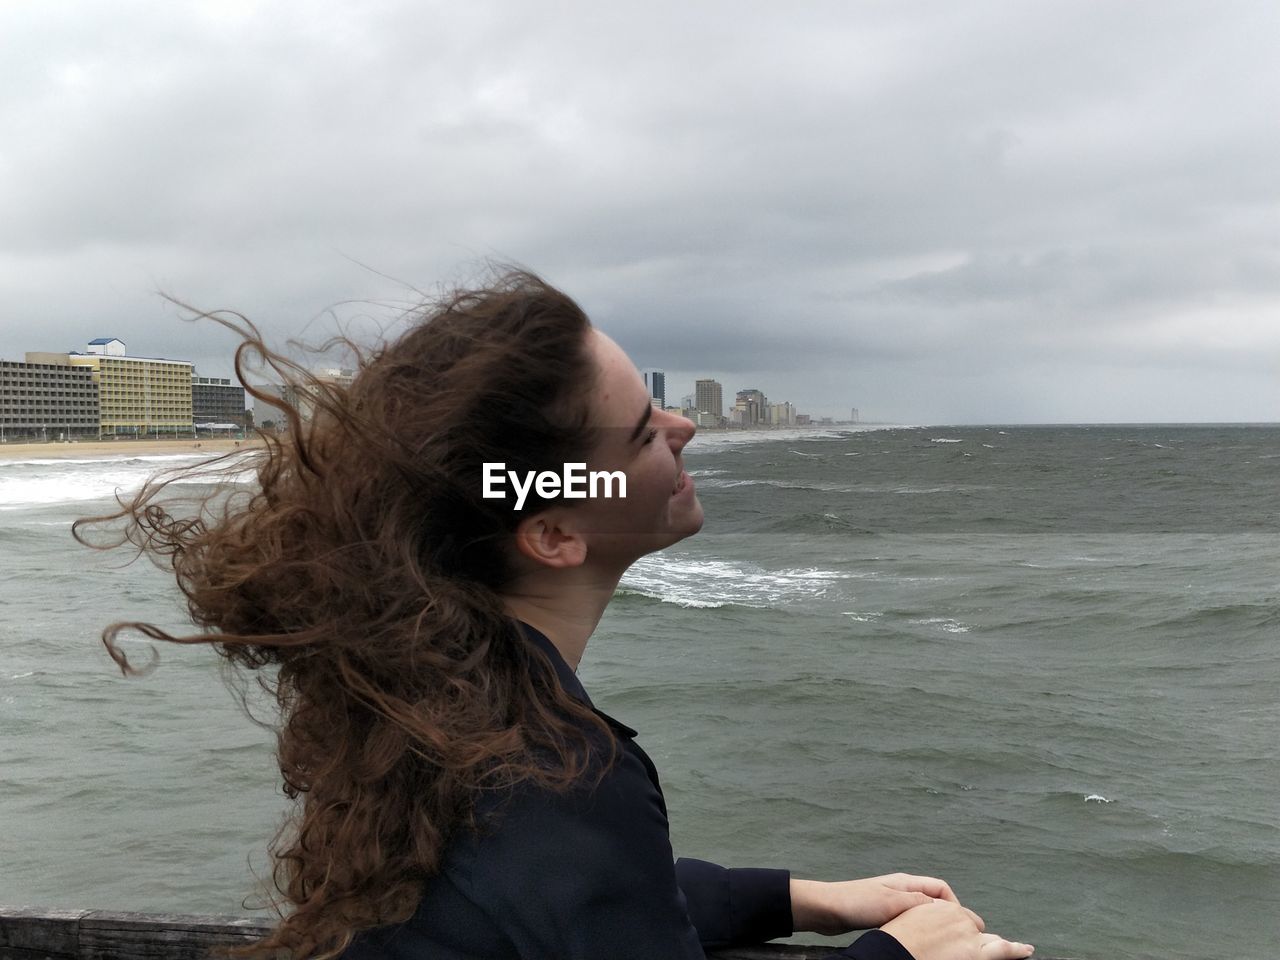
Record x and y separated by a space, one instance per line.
30 934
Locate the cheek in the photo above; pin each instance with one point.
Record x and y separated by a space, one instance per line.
659 488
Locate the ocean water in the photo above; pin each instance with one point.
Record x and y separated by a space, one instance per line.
1041 662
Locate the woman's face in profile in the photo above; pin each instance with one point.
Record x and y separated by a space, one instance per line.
646 444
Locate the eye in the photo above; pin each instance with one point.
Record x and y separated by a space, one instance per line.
652 433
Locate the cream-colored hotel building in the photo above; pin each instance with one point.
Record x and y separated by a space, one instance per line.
137 396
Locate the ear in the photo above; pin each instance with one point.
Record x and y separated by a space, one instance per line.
549 539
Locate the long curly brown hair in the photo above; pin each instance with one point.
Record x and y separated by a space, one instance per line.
364 570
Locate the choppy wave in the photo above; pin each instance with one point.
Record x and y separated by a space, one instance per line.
36 482
819 523
826 486
105 458
945 624
1227 617
715 441
699 582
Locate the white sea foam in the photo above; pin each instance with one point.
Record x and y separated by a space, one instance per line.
947 624
106 458
861 617
829 487
1097 798
711 441
33 483
709 582
780 484
944 440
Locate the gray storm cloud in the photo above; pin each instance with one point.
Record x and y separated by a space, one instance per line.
993 212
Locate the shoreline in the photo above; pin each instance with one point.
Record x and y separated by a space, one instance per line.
108 449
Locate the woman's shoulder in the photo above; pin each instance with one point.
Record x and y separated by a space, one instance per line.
602 837
614 778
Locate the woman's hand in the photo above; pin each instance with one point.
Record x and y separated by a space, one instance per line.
944 930
835 908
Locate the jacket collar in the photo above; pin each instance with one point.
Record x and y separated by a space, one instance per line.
569 681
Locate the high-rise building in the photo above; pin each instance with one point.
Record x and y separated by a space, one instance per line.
782 414
216 400
710 398
753 407
137 396
300 398
268 415
47 400
655 381
327 377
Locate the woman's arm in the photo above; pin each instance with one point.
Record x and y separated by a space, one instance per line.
735 906
738 906
835 908
917 917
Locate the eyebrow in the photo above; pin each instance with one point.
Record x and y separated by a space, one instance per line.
648 409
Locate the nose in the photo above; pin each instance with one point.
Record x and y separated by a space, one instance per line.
680 432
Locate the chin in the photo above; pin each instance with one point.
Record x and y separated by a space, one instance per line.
690 526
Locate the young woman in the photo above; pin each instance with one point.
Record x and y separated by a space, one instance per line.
460 795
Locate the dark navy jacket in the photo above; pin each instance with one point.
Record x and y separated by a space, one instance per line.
589 875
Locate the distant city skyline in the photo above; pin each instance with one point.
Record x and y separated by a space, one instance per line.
654 379
13 353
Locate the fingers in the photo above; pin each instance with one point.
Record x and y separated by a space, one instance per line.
945 931
998 948
909 901
930 886
940 889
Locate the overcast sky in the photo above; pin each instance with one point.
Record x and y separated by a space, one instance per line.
938 212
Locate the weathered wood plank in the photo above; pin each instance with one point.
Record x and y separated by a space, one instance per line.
773 951
30 934
158 936
27 933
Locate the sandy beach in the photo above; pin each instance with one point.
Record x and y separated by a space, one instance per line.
80 449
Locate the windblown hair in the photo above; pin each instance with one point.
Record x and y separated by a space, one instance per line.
363 571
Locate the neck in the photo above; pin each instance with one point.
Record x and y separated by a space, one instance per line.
565 605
